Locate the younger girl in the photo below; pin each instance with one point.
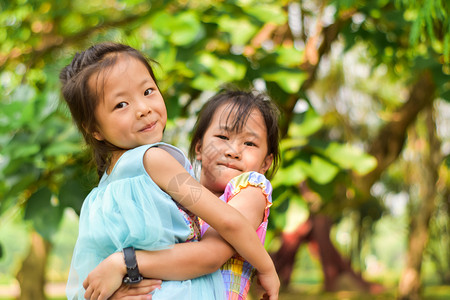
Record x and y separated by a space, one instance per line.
236 140
114 99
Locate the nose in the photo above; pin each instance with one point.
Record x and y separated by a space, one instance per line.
142 109
232 151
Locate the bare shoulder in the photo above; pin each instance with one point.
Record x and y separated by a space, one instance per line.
159 162
251 192
156 155
250 197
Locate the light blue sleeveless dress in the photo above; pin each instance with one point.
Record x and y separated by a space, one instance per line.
129 209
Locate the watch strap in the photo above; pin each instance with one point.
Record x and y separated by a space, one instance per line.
133 275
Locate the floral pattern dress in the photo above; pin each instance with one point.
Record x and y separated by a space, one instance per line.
238 273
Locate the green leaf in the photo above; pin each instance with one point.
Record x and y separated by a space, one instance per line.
280 207
186 28
205 82
173 106
343 155
72 194
445 95
267 13
324 191
287 143
181 29
241 30
228 70
320 170
290 80
160 22
447 48
72 23
62 148
447 161
350 157
28 114
415 30
310 123
22 151
364 164
288 56
207 60
291 175
44 215
20 181
167 59
132 2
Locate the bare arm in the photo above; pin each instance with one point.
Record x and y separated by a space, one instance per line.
185 260
228 221
189 260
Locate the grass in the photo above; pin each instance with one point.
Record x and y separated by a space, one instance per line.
313 292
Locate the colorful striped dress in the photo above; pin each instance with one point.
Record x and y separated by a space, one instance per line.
238 273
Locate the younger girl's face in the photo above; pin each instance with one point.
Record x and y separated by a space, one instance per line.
131 110
225 154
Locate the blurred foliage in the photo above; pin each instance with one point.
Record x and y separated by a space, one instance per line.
201 46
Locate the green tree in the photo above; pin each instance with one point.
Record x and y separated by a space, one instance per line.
201 45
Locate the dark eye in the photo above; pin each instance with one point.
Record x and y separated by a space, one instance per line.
222 137
251 144
121 105
148 92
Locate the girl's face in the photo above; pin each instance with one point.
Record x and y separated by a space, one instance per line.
225 154
131 110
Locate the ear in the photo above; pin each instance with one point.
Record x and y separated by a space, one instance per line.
198 151
266 163
98 136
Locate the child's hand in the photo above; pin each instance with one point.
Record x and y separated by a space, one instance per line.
270 283
139 291
106 278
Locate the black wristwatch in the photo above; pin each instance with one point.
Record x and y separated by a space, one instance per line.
133 275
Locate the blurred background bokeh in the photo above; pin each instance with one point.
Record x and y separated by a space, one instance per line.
361 200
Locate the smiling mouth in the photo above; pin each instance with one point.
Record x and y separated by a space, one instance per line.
148 127
230 166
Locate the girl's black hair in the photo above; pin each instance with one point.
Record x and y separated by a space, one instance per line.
240 104
82 100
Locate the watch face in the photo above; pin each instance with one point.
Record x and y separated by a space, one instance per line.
129 280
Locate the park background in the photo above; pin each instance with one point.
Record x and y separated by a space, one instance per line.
361 200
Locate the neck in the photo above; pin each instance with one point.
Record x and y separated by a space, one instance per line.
212 190
114 158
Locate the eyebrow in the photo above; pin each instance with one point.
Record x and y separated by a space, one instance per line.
143 82
247 132
146 81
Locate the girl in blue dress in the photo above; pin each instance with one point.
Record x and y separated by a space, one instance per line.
146 198
235 140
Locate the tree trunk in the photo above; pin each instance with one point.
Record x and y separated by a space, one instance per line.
31 275
337 271
385 148
446 273
284 258
430 159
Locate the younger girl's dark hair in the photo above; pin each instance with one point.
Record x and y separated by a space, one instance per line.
240 104
82 100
